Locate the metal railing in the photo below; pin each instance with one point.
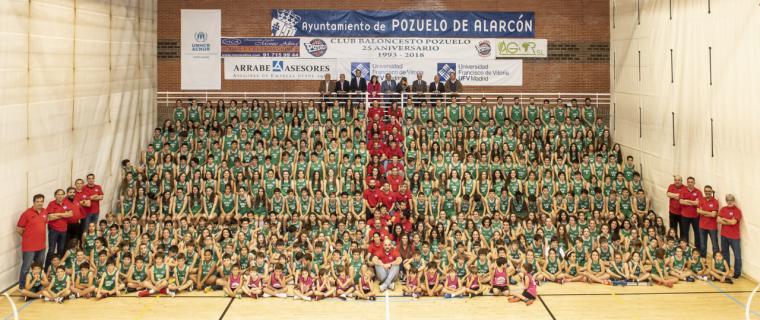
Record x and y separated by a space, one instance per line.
169 98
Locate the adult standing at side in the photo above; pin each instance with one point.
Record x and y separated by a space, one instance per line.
730 218
74 228
689 200
674 208
83 199
387 261
708 224
58 211
95 194
31 227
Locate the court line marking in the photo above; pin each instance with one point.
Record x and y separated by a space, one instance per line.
725 294
387 306
547 308
26 304
227 308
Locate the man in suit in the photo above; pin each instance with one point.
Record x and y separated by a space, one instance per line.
388 85
342 86
358 83
419 86
453 85
326 86
436 87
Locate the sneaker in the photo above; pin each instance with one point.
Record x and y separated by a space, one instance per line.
266 295
143 293
171 293
529 302
72 296
513 299
238 296
372 298
296 297
342 297
47 299
448 296
737 276
689 279
162 291
282 295
307 298
415 296
392 286
729 281
59 300
207 289
383 287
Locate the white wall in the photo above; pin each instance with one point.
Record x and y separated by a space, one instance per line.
77 94
732 29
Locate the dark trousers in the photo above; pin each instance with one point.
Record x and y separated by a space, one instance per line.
703 234
56 245
735 246
74 231
27 258
675 221
686 224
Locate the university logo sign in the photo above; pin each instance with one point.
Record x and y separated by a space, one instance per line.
445 69
363 67
284 25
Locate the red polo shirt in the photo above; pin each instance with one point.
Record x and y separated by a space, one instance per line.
708 205
395 181
730 231
675 206
387 198
59 225
387 256
95 190
688 211
81 196
33 237
371 197
76 210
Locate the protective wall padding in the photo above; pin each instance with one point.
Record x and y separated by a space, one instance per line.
77 95
680 111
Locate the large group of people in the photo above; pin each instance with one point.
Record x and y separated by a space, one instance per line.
334 198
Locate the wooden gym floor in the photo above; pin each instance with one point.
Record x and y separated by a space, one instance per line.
698 300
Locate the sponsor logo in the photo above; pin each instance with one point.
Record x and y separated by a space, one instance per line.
484 48
445 69
522 48
363 67
200 44
316 47
284 25
232 41
201 36
278 65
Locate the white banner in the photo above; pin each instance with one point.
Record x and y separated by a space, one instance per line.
277 68
476 73
521 48
398 48
201 49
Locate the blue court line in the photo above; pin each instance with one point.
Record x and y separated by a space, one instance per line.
26 304
741 304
